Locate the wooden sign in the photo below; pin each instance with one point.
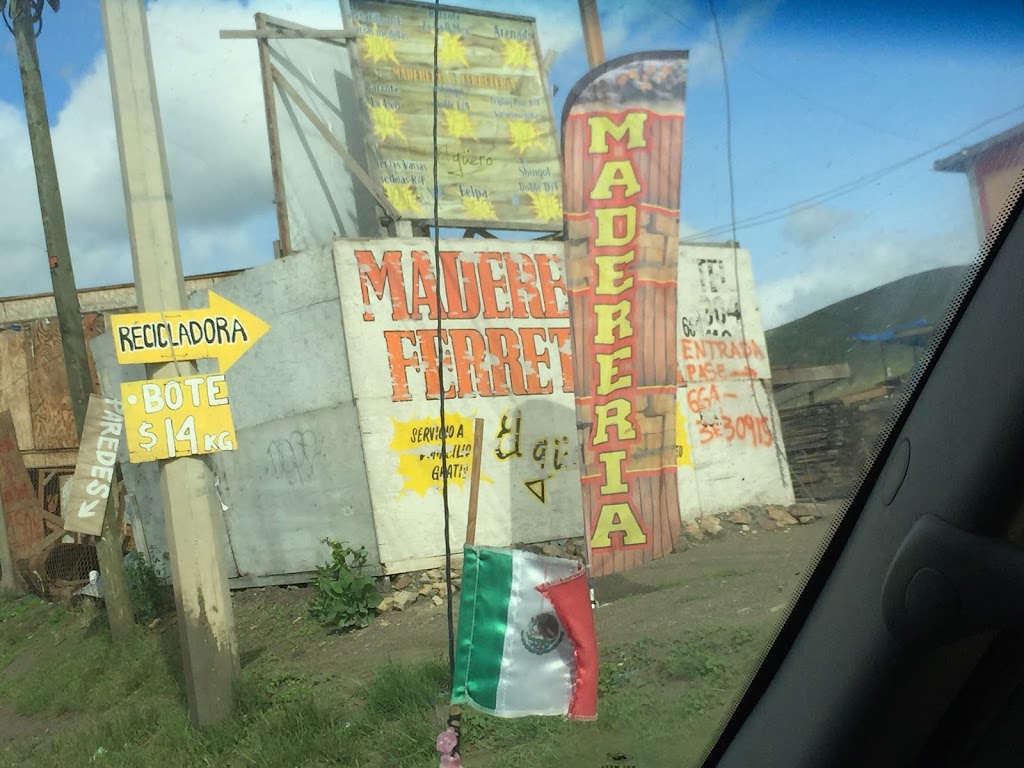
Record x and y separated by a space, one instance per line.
498 163
225 331
20 508
97 457
186 416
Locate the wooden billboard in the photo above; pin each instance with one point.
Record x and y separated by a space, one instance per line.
498 153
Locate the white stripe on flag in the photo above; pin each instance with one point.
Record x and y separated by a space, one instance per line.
533 683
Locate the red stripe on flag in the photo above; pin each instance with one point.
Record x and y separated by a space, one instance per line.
571 600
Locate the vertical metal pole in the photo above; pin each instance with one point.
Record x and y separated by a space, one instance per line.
191 512
65 297
592 32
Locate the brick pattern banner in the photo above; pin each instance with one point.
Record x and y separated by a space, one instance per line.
622 135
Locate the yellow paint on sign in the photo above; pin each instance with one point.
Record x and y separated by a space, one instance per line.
225 331
684 454
167 418
418 444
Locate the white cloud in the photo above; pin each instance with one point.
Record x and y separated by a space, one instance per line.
857 265
212 109
211 104
809 225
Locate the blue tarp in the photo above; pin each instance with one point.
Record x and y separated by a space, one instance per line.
890 333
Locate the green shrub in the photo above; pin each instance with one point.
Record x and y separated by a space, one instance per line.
345 598
145 589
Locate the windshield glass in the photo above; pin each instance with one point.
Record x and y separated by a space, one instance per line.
492 370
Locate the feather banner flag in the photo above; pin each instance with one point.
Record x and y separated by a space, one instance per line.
622 141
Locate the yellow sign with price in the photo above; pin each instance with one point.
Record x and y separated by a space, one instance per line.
167 418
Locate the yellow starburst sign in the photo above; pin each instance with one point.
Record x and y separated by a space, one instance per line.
458 124
386 123
378 48
479 209
515 53
524 135
547 206
403 197
451 50
418 445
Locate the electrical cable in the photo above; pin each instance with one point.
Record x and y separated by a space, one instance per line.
780 458
796 92
440 364
766 217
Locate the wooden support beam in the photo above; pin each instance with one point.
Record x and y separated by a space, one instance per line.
793 392
783 376
337 146
288 34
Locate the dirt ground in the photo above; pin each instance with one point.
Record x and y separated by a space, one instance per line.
733 579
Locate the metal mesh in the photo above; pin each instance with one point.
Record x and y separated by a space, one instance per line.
63 566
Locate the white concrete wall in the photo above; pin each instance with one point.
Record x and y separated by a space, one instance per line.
391 384
327 404
735 443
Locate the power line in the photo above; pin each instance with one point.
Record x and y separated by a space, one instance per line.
775 214
814 101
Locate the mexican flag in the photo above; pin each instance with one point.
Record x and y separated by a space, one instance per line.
526 643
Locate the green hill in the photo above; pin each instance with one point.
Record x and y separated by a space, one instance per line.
825 337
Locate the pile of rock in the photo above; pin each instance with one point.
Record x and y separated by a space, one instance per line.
409 588
574 549
429 587
751 519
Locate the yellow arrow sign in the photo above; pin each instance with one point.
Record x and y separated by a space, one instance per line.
225 331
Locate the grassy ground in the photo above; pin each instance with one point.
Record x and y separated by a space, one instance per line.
678 639
109 706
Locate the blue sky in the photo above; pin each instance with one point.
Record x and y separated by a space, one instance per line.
822 94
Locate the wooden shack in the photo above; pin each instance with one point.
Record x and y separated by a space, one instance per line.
33 381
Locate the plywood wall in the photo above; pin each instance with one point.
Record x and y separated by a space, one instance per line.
14 383
33 383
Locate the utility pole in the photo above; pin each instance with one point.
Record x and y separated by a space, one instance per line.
592 32
25 15
191 510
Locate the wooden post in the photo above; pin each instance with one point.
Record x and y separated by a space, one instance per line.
65 292
9 580
455 711
274 137
474 480
191 512
592 32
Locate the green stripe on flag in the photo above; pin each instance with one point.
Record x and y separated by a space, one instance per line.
483 615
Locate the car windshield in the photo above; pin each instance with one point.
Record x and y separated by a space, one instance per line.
388 383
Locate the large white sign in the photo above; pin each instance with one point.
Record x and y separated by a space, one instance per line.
507 359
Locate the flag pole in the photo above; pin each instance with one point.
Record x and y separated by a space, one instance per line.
454 710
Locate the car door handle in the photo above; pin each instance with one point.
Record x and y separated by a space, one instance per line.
945 584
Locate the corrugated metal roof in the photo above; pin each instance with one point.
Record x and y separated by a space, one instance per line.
966 157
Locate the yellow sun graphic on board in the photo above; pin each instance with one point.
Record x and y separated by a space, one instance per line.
516 53
482 210
451 50
386 123
547 206
403 197
378 48
524 134
458 124
684 455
